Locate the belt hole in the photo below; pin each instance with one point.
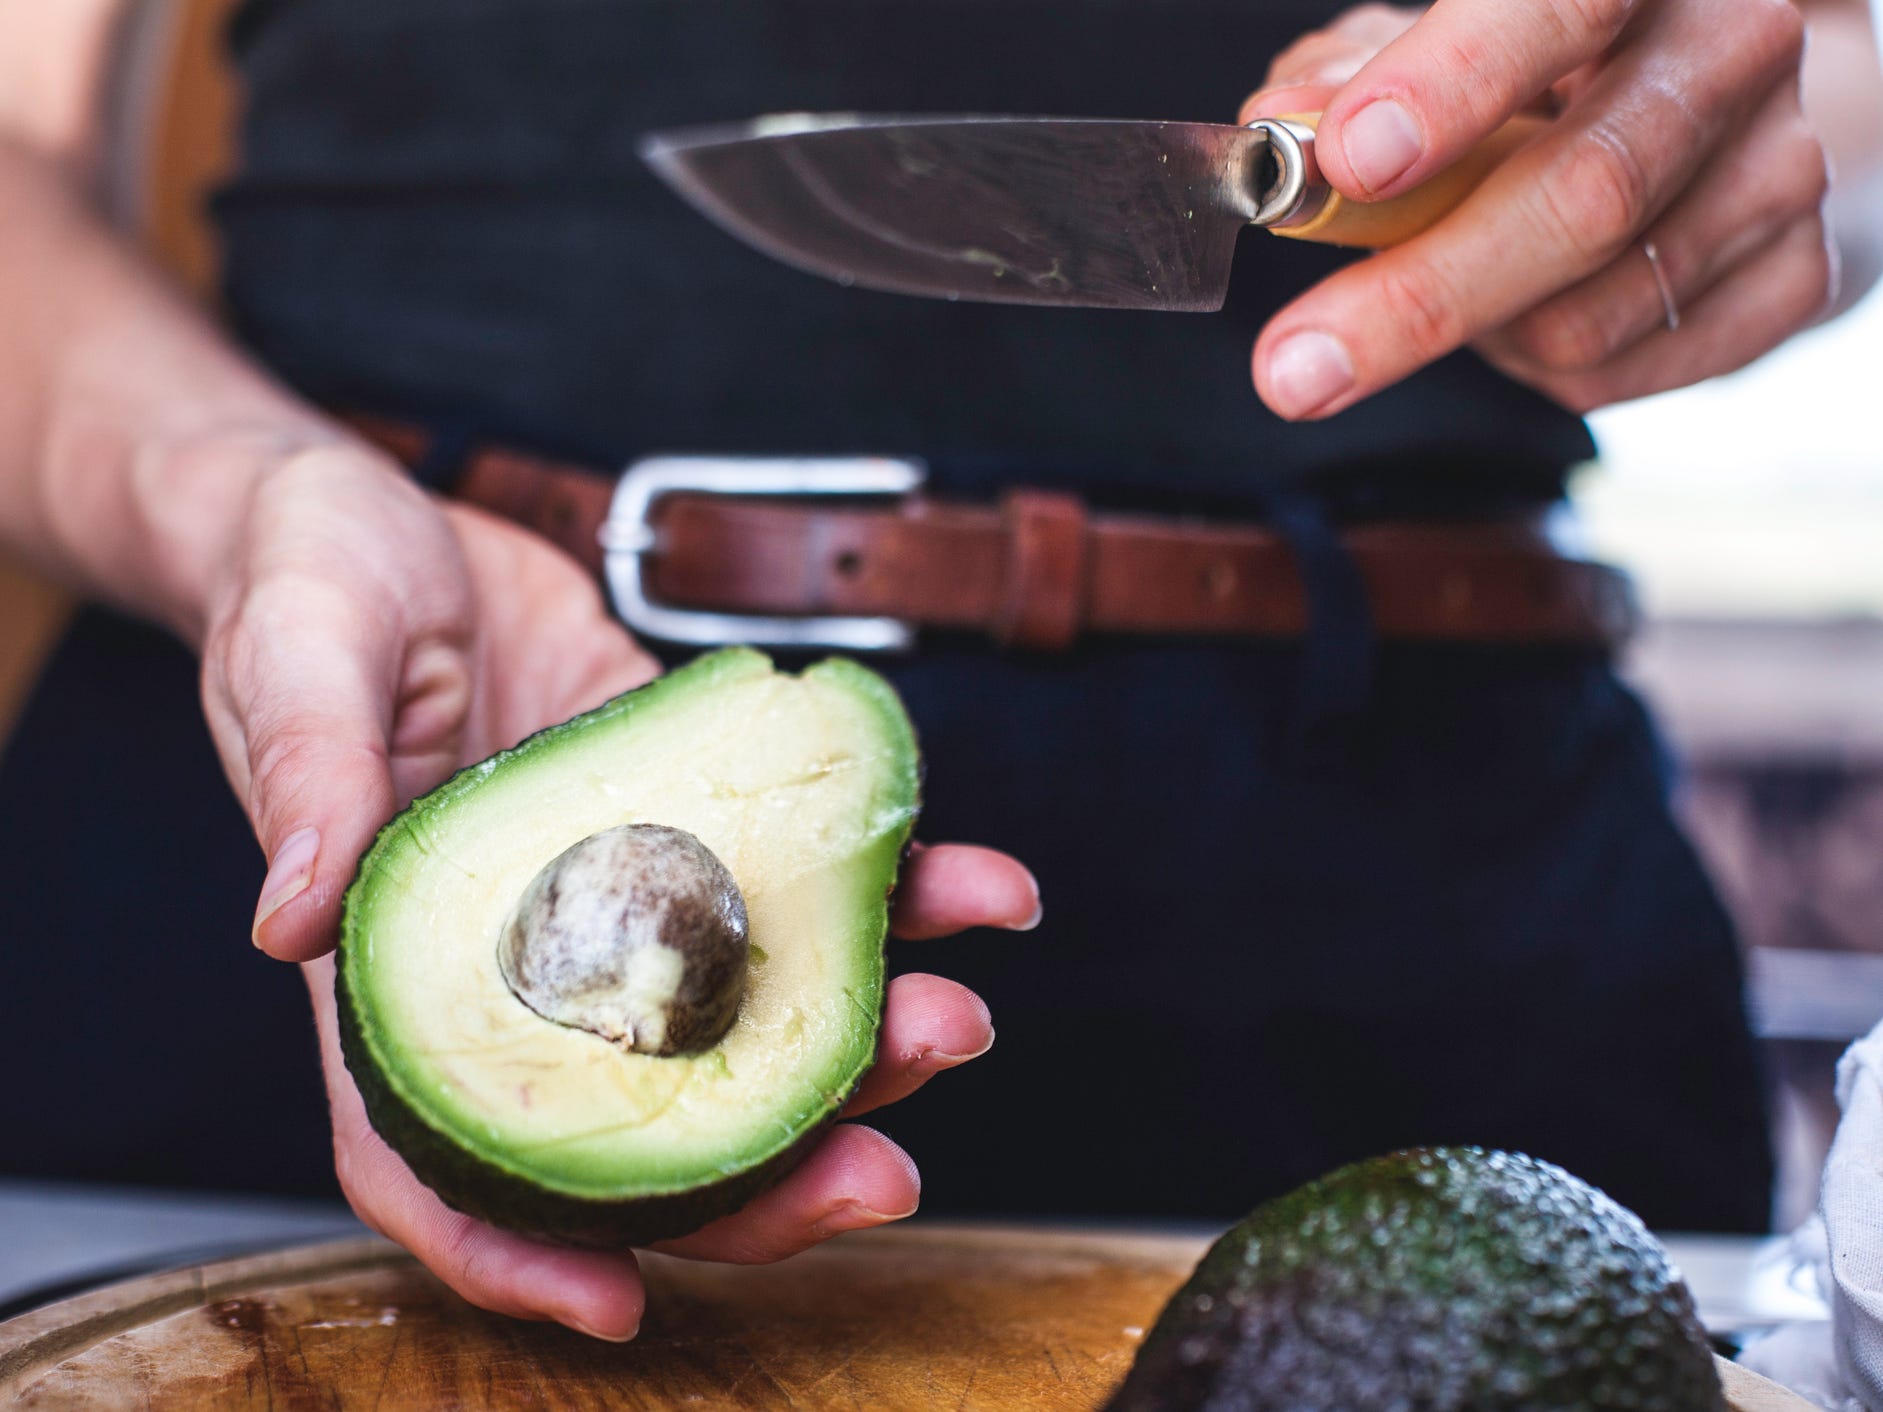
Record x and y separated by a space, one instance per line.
849 564
1219 580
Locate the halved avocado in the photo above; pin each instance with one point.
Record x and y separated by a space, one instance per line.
806 789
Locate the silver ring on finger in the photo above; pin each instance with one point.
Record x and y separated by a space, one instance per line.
1669 309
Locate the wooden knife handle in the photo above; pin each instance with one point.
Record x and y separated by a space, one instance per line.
1377 224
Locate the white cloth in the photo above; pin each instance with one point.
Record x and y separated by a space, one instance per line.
1803 1356
1845 1371
1852 1206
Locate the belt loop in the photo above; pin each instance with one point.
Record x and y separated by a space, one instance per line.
1044 585
1337 649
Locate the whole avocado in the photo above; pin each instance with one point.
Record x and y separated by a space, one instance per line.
1430 1280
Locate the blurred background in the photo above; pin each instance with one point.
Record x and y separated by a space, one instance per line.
1750 510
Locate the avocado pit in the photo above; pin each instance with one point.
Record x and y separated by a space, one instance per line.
636 934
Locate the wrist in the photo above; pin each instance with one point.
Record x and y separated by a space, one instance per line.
156 526
195 501
131 430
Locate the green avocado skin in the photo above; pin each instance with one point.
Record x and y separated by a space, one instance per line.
1428 1281
466 1181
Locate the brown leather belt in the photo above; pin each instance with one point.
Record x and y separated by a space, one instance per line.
1038 569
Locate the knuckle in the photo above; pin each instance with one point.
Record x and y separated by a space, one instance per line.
1280 67
1564 336
1583 21
278 761
1772 33
462 1260
1300 54
1308 60
771 1252
1599 195
756 1247
238 644
289 606
1792 182
1372 20
290 764
1419 306
1809 169
1468 63
1817 276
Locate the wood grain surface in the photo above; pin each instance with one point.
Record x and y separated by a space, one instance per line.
910 1317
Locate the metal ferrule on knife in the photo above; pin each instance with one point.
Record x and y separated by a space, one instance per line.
1293 193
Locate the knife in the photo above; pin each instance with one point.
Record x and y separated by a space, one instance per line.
1091 212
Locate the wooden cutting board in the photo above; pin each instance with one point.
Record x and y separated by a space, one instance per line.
903 1318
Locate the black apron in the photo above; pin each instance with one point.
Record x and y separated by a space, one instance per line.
1305 901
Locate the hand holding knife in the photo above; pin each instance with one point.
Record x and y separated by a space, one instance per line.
1665 227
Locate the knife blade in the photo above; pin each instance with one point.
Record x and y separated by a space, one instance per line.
1089 212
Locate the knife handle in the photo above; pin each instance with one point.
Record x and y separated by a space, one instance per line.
1377 224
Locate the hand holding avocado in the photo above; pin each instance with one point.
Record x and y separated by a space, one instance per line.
361 642
544 994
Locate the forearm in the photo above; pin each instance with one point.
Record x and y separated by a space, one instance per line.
129 429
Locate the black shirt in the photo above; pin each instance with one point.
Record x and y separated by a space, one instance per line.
440 209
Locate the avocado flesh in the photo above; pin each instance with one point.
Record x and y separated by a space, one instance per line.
1426 1281
805 787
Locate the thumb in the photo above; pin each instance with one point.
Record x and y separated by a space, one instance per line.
307 693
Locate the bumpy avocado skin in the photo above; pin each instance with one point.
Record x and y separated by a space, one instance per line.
1426 1281
464 1179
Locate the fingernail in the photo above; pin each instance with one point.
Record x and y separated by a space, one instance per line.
1381 141
288 875
854 1216
1033 917
582 1328
942 1059
1306 372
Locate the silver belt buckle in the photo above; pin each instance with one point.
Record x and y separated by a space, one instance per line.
628 536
